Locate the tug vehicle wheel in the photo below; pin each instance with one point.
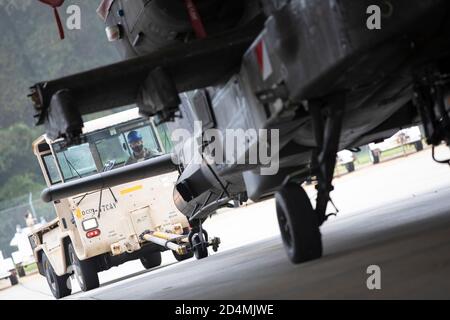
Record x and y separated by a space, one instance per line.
59 285
85 271
199 244
151 260
298 224
182 257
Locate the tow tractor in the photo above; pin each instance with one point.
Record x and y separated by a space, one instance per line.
99 227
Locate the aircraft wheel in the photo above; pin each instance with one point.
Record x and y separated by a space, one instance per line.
298 224
59 285
151 260
85 271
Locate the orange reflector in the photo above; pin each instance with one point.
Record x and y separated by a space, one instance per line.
93 233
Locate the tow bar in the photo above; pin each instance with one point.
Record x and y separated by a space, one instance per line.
175 242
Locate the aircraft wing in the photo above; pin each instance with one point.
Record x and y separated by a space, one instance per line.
189 66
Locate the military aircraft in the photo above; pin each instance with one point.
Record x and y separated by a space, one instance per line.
314 72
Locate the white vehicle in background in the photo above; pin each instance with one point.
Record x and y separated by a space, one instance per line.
24 256
347 159
410 136
7 270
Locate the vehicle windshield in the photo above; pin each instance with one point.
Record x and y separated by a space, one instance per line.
76 162
108 148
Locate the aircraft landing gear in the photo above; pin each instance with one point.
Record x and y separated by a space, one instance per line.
199 241
299 222
327 135
430 93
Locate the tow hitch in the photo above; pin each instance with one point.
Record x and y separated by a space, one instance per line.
180 244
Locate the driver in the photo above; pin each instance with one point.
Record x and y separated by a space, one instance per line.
137 145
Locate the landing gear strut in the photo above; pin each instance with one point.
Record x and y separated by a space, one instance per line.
299 222
327 134
429 99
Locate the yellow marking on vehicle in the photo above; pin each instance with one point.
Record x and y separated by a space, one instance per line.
78 213
132 189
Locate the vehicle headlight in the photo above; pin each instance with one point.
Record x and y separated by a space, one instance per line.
90 224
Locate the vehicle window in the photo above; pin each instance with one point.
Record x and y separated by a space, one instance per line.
113 149
76 161
52 169
148 138
109 146
164 135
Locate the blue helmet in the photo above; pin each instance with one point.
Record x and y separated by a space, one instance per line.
134 136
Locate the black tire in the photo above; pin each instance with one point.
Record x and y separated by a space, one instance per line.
199 246
13 279
350 167
298 224
151 260
85 271
182 257
21 271
418 145
59 285
375 157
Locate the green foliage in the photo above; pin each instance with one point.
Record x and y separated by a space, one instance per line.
18 184
16 156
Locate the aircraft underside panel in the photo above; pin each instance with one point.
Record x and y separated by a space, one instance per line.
315 50
326 46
